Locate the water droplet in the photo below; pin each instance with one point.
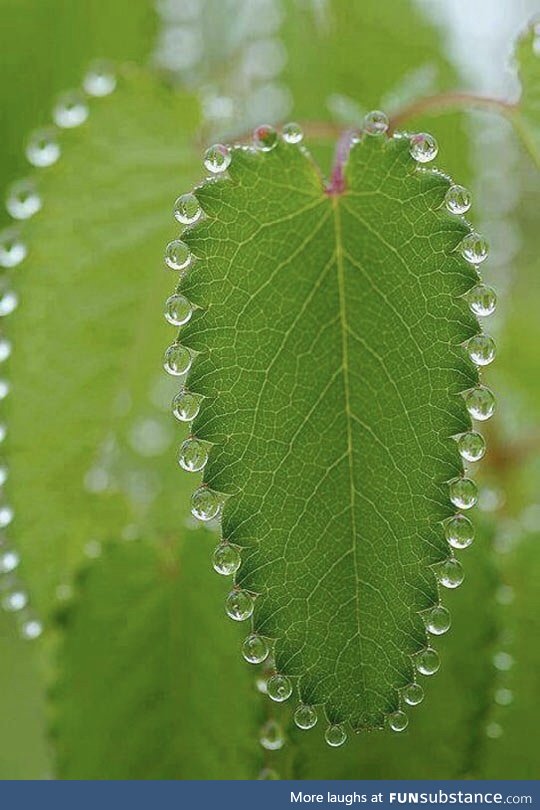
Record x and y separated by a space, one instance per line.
187 209
4 472
261 683
272 737
100 79
494 731
177 255
4 389
42 148
178 310
205 504
71 110
239 605
335 735
12 250
177 360
459 531
186 406
503 661
193 455
255 649
438 620
474 248
423 147
471 446
504 697
305 717
268 773
31 629
463 493
23 200
292 132
6 515
398 721
5 349
480 403
217 158
375 122
265 137
15 601
427 662
9 561
450 573
226 559
458 199
3 431
413 694
9 302
279 688
481 349
482 300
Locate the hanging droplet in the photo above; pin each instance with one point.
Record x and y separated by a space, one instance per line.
205 504
217 158
268 773
23 200
177 360
226 559
398 721
463 493
427 662
5 349
9 560
438 620
480 403
458 199
272 737
292 133
482 300
177 255
12 249
335 735
481 349
100 79
31 629
42 148
193 455
255 649
3 473
239 605
265 137
459 531
474 248
504 697
305 717
375 122
471 446
279 688
178 310
4 389
71 110
413 694
186 406
9 301
6 515
450 573
423 147
187 209
15 601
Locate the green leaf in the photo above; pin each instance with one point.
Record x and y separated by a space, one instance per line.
152 685
526 118
64 37
330 361
88 330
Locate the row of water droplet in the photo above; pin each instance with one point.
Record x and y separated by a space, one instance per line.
23 201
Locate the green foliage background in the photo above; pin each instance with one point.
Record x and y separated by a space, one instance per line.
141 639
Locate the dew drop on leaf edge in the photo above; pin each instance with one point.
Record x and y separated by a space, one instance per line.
459 531
335 735
305 717
471 446
413 694
423 147
255 649
398 721
438 620
226 559
239 605
279 688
